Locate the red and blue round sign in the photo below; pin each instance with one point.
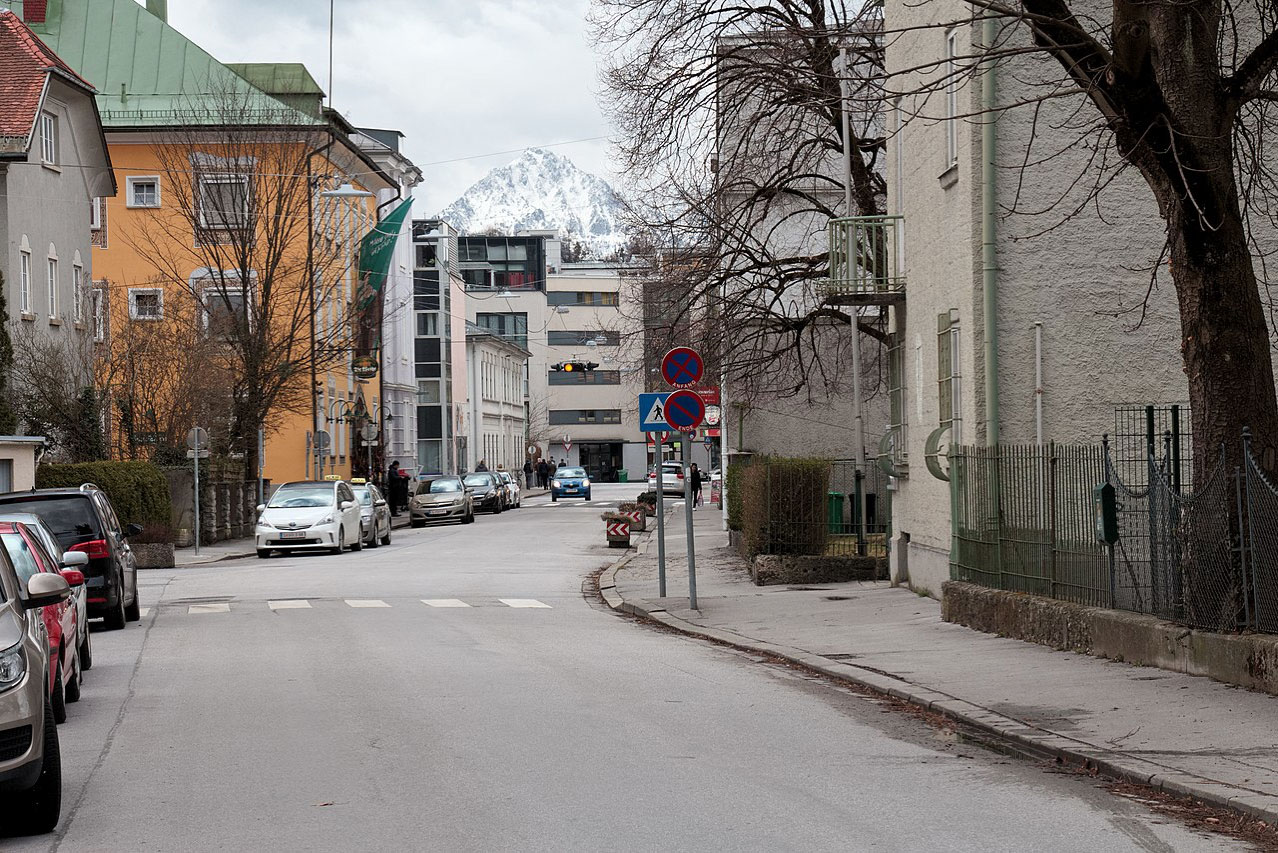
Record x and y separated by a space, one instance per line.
682 366
685 410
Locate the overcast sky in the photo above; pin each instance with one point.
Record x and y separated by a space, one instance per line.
460 78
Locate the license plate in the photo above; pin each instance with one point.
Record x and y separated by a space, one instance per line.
292 534
437 512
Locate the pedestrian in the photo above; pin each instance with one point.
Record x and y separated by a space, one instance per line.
695 475
529 472
543 472
392 484
482 466
550 475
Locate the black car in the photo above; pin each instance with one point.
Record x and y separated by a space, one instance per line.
84 520
487 492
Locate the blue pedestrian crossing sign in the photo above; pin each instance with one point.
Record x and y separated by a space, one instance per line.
652 412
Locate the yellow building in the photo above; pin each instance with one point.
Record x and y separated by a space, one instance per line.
224 268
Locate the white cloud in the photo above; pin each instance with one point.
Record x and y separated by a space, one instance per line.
458 77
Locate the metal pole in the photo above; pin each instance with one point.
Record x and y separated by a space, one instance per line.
197 492
687 514
858 424
659 448
261 451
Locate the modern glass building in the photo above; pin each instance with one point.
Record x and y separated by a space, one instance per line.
435 274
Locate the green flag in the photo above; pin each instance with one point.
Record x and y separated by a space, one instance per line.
375 252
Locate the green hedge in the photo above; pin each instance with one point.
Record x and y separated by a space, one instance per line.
732 484
139 491
784 506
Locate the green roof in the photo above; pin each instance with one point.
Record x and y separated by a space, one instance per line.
289 82
150 75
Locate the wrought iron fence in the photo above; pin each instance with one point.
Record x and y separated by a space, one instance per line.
1025 519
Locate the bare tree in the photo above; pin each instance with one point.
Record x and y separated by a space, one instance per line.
232 237
731 133
54 391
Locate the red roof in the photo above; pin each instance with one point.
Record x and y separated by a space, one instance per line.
25 63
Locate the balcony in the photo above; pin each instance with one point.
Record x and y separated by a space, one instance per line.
865 267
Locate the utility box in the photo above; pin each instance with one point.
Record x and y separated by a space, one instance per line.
1105 507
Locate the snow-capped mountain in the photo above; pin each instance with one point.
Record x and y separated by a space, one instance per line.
542 189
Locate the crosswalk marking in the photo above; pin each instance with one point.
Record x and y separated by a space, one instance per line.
289 604
444 602
522 602
209 608
366 602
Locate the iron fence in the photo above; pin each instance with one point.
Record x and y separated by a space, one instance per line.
1025 518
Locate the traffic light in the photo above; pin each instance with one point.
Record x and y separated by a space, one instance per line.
574 366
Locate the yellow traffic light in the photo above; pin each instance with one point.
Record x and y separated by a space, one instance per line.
569 367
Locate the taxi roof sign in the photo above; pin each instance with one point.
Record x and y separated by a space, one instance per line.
357 481
333 477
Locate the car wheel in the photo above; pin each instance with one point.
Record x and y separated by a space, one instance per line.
554 498
38 808
73 687
587 494
58 701
133 612
115 618
358 544
498 507
263 553
468 518
372 537
415 523
86 650
341 541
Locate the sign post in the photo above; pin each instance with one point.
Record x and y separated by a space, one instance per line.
369 433
684 410
659 453
687 516
197 438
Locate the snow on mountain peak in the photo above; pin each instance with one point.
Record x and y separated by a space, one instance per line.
541 189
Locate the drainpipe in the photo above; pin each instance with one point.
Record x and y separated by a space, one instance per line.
989 232
1038 382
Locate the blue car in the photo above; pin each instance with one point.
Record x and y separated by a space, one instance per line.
570 483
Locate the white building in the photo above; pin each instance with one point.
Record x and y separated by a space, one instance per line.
497 408
397 380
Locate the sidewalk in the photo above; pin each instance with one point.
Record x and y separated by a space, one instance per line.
1182 734
235 549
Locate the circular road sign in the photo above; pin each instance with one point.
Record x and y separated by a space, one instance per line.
323 439
685 410
197 437
713 414
368 432
682 366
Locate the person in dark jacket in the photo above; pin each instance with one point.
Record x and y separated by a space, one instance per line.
392 487
528 473
695 475
482 466
543 473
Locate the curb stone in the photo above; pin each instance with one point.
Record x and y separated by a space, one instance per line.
1017 734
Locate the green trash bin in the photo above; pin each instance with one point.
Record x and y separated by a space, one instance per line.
834 512
623 476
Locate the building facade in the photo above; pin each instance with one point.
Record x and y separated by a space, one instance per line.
496 367
439 350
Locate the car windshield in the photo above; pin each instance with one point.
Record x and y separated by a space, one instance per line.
364 495
70 517
479 480
292 497
439 487
571 472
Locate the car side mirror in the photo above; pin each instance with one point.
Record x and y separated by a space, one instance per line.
261 508
46 588
132 530
379 503
71 559
347 504
74 577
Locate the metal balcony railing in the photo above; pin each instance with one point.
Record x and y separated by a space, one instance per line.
865 267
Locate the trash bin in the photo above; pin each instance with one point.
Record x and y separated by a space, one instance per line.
834 512
623 476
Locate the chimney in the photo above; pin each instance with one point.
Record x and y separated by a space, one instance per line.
34 11
159 8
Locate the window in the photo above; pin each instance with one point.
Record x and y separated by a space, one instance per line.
511 327
951 97
594 298
146 303
143 191
427 392
24 283
77 293
426 290
427 324
53 286
224 310
99 314
896 399
590 377
225 202
426 254
48 139
947 374
95 215
561 417
579 338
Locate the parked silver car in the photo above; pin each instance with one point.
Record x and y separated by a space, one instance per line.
31 763
374 514
512 489
441 498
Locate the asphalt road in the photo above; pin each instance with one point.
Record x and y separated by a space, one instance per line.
318 703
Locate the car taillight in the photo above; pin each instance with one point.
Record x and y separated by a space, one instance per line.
96 549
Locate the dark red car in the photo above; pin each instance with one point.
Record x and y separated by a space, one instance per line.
60 621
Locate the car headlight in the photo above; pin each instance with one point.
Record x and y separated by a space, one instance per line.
328 519
490 493
557 484
586 482
265 524
13 665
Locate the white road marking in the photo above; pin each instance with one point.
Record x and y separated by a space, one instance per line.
289 604
444 602
522 602
209 608
366 602
144 611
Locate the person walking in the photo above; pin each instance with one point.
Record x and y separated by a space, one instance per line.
529 471
482 466
543 472
695 475
392 487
